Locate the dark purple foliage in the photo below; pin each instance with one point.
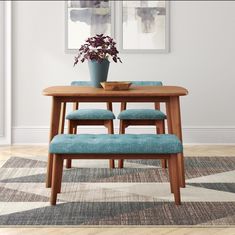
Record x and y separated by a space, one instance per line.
98 48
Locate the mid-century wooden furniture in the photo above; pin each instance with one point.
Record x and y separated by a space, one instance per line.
142 117
164 94
90 117
105 146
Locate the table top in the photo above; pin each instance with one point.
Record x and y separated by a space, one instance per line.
134 91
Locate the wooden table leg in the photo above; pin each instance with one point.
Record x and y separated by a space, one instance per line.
62 117
54 128
173 114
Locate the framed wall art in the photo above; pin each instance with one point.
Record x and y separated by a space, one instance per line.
85 19
144 26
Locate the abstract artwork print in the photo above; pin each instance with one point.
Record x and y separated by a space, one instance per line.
86 19
144 25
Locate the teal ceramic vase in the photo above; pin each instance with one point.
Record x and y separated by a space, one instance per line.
98 71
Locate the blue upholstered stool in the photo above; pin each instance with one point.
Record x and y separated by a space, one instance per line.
79 117
149 117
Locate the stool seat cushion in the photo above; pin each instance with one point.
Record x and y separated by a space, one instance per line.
115 144
141 114
91 114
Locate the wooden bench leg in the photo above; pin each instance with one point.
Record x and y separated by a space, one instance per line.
175 178
49 170
160 128
111 131
60 176
56 177
121 131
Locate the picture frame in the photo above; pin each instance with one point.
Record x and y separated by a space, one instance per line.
75 31
133 37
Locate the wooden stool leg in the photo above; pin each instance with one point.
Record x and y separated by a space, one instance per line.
68 163
111 131
70 127
170 175
57 171
164 164
111 164
70 131
160 128
175 178
121 131
109 106
120 163
75 107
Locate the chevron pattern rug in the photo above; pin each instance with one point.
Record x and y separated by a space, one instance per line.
138 195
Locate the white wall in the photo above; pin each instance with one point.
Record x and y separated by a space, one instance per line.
201 59
5 72
1 69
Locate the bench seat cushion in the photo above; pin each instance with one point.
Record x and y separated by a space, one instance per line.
141 114
115 144
91 114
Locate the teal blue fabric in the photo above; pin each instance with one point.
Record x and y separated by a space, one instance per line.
81 83
141 114
135 83
91 114
146 83
115 144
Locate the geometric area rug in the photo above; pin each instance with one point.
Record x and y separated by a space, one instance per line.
138 195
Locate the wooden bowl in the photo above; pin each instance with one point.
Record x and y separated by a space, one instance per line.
116 86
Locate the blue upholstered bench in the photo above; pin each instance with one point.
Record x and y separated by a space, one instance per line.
103 146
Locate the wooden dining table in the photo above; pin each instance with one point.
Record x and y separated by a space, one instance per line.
170 95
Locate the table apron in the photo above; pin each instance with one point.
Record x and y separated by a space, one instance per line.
112 99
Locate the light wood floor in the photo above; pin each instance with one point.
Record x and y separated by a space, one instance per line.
7 151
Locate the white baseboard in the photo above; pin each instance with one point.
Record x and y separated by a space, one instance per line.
191 135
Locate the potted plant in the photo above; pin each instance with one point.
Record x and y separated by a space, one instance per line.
97 50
